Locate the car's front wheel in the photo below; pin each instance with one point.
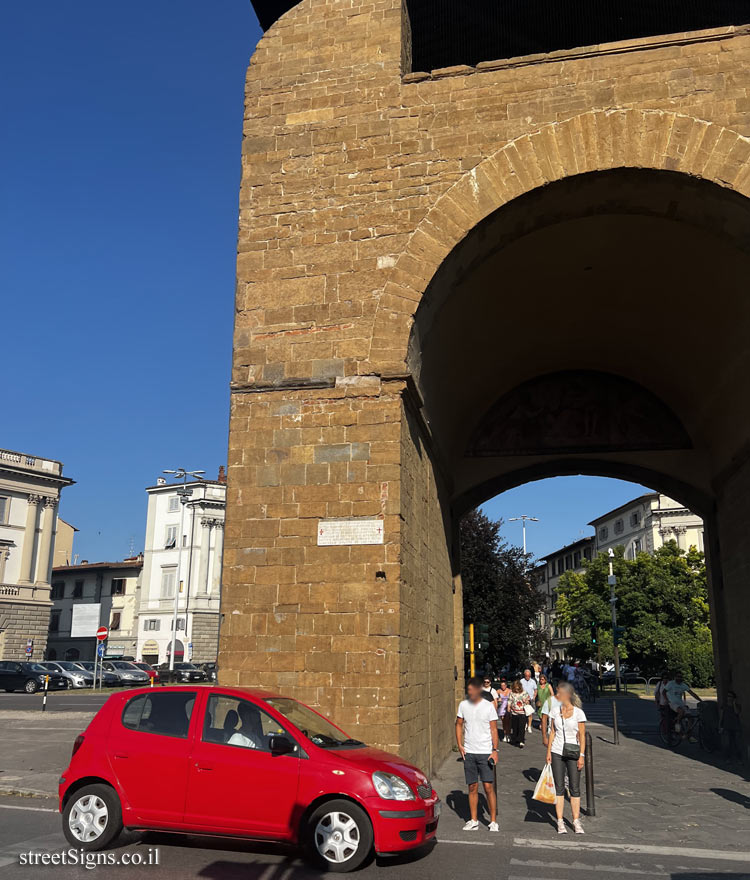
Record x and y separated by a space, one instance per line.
339 836
92 817
31 687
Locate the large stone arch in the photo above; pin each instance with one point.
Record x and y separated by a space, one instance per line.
599 140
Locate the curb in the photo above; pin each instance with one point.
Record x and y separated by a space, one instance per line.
26 792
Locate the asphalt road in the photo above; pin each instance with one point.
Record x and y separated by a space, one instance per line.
32 825
65 701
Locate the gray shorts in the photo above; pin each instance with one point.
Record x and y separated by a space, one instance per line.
476 769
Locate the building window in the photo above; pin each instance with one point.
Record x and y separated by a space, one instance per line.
58 590
577 559
170 539
54 622
635 548
118 586
4 509
168 576
152 624
72 654
174 503
603 533
78 590
635 518
560 565
115 623
180 624
619 527
587 553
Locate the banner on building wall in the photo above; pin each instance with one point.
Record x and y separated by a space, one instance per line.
85 621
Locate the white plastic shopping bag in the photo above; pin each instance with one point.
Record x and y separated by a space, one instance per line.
545 787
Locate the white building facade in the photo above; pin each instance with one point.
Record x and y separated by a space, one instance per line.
111 587
182 559
30 489
647 523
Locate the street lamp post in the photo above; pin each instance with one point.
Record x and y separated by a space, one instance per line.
524 519
612 581
184 493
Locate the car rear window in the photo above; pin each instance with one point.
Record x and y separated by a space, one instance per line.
167 714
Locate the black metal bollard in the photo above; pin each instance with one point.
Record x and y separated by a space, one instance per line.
588 766
614 723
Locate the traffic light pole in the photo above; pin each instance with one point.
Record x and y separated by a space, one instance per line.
612 581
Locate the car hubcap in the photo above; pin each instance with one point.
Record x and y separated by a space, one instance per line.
88 818
337 837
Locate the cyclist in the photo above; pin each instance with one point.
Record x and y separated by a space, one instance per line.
675 691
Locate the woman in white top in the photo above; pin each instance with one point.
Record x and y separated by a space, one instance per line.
565 751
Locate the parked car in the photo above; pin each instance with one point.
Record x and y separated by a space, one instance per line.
108 679
152 673
21 675
211 670
77 677
128 673
278 771
182 672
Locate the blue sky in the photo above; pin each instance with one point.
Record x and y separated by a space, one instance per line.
121 159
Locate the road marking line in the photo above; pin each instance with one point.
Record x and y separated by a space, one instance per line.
44 843
36 809
468 842
684 851
579 866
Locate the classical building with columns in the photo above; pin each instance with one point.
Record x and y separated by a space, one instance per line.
647 523
29 495
182 555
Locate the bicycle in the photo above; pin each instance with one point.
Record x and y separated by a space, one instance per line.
691 728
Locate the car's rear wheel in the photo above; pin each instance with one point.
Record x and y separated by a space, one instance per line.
339 836
31 687
92 817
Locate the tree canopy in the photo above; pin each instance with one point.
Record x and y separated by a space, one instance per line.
662 604
498 590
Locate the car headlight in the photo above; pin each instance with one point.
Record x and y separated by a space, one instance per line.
392 787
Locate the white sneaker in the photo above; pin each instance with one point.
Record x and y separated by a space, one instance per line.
471 825
578 827
494 826
561 829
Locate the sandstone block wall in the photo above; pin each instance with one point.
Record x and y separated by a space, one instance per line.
345 153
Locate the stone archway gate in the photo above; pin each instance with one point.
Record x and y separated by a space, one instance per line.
359 177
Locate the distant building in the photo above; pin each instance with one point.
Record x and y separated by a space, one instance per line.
547 577
30 490
187 564
113 587
647 523
63 554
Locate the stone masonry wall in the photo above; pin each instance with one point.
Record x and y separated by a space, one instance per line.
343 158
22 621
204 636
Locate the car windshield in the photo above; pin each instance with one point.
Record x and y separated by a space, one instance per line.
185 666
86 664
314 726
67 664
37 667
123 664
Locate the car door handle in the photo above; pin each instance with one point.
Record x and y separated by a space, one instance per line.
200 768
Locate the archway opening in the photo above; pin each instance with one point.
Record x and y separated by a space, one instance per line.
595 326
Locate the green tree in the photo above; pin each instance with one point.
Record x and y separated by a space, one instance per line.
662 604
497 590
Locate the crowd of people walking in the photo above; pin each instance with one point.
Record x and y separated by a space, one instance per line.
489 715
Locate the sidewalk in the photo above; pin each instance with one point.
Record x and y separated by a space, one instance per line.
645 793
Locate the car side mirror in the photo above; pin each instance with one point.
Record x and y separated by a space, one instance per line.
280 745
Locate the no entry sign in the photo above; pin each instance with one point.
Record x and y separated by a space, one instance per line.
102 633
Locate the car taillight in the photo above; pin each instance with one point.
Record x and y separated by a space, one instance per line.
77 744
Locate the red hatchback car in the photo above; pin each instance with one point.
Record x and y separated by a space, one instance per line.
241 762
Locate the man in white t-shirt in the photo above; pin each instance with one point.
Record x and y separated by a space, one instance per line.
528 683
476 735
